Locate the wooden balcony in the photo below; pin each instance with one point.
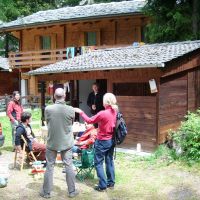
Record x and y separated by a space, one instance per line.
36 58
43 57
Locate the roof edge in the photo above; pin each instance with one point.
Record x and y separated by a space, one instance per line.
159 65
22 26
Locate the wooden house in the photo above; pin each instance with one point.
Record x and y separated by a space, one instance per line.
44 37
9 80
149 112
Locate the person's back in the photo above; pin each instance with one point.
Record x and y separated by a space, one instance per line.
59 119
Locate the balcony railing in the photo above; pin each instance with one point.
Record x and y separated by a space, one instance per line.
41 57
36 58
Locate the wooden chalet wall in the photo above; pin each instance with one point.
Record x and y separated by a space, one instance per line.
194 89
9 82
123 30
172 103
140 112
140 115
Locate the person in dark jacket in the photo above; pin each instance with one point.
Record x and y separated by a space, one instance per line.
14 111
95 100
25 129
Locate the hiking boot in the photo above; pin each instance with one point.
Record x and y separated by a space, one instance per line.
97 188
46 196
73 194
111 187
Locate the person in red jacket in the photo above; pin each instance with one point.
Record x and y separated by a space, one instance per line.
104 144
87 138
14 111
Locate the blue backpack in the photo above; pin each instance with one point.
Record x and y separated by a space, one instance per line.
120 130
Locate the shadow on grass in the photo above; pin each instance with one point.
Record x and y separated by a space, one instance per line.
56 192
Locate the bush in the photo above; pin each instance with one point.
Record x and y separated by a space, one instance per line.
187 138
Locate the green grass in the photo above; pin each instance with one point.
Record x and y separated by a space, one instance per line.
5 122
156 177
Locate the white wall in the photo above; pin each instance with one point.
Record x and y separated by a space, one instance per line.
85 87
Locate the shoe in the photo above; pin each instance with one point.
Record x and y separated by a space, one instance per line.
46 196
73 194
111 187
97 188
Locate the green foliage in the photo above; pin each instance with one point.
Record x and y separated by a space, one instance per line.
187 137
171 20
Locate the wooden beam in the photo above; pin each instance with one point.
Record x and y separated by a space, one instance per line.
20 40
158 112
180 65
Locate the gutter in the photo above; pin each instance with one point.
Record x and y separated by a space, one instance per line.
21 26
160 65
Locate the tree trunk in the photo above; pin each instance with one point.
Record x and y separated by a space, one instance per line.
195 16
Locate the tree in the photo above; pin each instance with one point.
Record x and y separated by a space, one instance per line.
172 20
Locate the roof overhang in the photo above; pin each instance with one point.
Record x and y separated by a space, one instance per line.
55 22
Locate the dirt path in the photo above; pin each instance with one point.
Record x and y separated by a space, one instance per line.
135 181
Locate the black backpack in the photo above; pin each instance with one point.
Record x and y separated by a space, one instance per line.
120 130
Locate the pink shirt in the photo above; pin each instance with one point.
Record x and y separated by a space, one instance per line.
106 120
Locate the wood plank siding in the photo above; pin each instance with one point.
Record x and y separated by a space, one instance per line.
122 30
9 82
140 115
194 89
172 103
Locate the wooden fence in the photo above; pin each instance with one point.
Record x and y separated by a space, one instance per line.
29 101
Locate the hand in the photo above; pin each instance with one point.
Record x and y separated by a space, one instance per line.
93 107
78 110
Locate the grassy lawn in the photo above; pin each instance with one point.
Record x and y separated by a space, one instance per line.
149 178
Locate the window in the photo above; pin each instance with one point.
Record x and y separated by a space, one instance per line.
132 89
90 38
45 42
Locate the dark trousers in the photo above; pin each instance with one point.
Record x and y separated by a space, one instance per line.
104 149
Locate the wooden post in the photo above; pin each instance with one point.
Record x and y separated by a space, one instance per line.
43 101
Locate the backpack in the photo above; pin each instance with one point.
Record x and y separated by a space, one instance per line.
120 130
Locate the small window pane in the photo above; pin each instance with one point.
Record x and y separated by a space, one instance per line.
91 38
45 42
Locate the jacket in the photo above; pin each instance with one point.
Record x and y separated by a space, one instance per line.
106 120
14 111
59 118
20 130
89 136
96 100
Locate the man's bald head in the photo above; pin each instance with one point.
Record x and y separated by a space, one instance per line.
59 94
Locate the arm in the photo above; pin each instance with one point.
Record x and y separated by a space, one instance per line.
46 115
95 119
89 101
19 132
9 111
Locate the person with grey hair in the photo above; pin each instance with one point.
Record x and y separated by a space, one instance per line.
59 118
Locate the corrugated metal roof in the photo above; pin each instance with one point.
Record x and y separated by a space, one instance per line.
153 55
77 13
4 64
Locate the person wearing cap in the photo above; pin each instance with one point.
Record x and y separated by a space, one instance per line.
59 118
